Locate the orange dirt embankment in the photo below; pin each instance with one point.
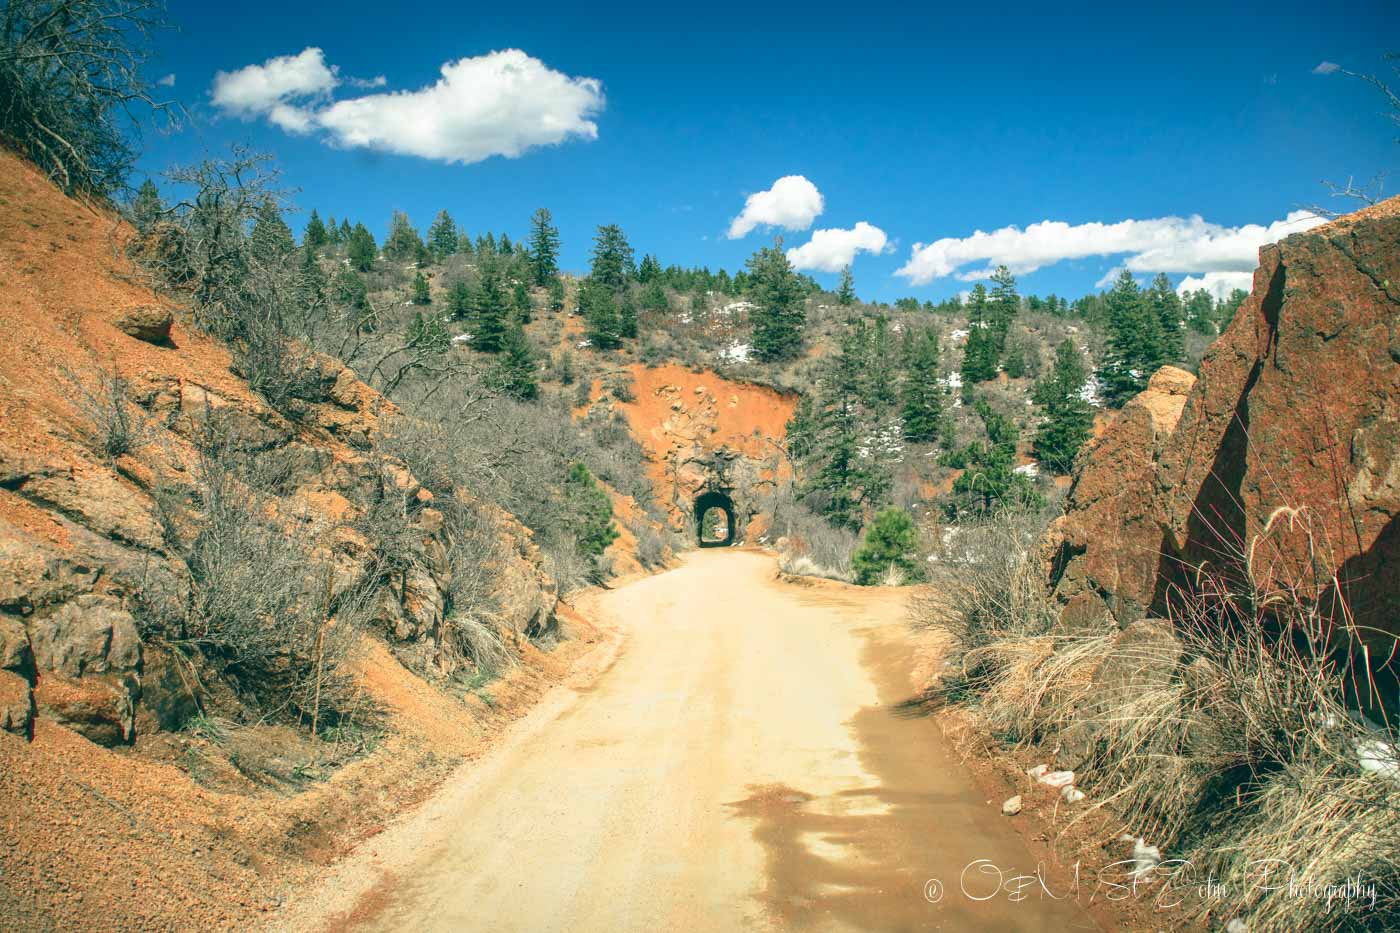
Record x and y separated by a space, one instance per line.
681 417
165 830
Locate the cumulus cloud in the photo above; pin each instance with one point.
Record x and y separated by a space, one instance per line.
1164 244
1326 68
279 89
792 203
832 250
1219 284
502 103
167 81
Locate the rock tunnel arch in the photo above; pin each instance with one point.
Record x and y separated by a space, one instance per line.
703 504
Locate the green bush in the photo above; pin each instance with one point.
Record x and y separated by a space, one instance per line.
890 548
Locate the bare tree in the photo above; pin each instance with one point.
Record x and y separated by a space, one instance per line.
1374 190
70 71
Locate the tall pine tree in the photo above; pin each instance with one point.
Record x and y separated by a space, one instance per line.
846 292
779 313
923 393
1135 344
442 236
544 248
1068 418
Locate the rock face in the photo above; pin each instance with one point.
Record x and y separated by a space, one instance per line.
702 432
1298 408
83 535
1281 462
1103 552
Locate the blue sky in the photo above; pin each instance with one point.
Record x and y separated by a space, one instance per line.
924 124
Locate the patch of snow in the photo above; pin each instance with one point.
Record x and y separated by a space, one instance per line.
1379 756
1028 469
462 338
736 353
1056 778
585 344
958 335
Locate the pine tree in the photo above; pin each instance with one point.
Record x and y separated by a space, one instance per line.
311 281
520 300
504 245
1068 418
922 410
544 247
1134 349
627 316
880 360
801 432
891 543
1166 304
980 353
556 294
403 243
146 207
1004 305
491 313
514 372
345 232
844 480
654 297
442 235
332 231
989 482
271 240
1200 312
649 270
350 291
590 512
315 234
846 293
779 313
459 301
612 258
361 249
598 305
421 295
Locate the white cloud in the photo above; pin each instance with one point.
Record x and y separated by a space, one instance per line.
1326 68
279 89
1165 244
792 203
832 250
501 103
167 81
1219 284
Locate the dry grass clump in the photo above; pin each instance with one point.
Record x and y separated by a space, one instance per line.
1223 735
808 545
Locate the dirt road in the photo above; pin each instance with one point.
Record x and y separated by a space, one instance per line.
744 764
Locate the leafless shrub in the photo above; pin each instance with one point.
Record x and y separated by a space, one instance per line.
652 545
116 425
809 545
257 598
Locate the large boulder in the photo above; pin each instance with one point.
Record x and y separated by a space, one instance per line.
1281 463
1103 552
87 658
1289 448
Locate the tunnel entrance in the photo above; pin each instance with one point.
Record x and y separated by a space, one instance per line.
714 520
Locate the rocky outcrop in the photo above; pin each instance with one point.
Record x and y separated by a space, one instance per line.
1281 462
1102 555
702 432
1289 448
87 534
